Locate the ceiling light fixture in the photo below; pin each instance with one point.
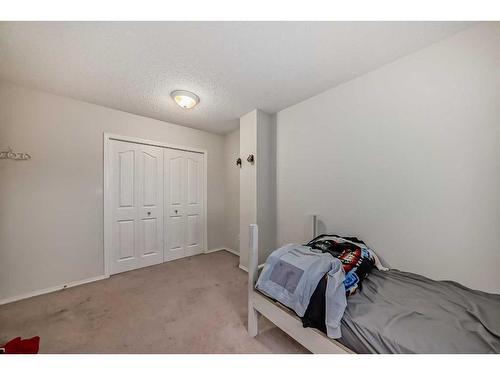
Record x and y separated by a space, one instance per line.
185 99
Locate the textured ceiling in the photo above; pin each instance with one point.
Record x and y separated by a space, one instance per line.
233 66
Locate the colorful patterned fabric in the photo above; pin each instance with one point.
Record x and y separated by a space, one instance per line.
357 259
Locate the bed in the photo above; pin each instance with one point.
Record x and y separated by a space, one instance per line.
395 312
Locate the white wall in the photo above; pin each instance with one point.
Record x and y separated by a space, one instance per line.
258 182
51 207
266 183
405 157
232 189
248 181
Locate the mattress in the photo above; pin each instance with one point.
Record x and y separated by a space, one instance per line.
401 312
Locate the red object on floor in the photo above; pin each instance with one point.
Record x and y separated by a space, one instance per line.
20 346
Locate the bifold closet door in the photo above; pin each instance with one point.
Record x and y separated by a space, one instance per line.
184 187
136 188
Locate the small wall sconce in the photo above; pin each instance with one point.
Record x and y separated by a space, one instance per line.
250 159
238 162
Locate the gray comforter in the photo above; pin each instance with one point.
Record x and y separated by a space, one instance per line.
401 312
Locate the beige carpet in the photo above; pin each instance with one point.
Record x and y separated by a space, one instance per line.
192 305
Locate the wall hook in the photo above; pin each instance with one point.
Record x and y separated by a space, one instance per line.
250 158
13 155
238 162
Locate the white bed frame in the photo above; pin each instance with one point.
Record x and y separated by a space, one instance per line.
258 304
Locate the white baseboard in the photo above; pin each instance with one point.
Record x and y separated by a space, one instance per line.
243 268
52 289
232 251
214 250
223 248
260 266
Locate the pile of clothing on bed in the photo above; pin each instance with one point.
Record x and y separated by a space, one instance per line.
315 279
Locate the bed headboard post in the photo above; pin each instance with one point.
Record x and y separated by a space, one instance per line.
253 256
314 225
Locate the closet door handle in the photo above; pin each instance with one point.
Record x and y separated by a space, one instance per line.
176 211
149 213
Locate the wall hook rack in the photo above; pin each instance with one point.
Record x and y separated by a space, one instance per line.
14 155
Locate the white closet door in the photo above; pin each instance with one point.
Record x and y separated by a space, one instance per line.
123 189
184 203
175 192
194 203
136 187
150 205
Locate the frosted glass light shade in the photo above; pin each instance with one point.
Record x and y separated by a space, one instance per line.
185 99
